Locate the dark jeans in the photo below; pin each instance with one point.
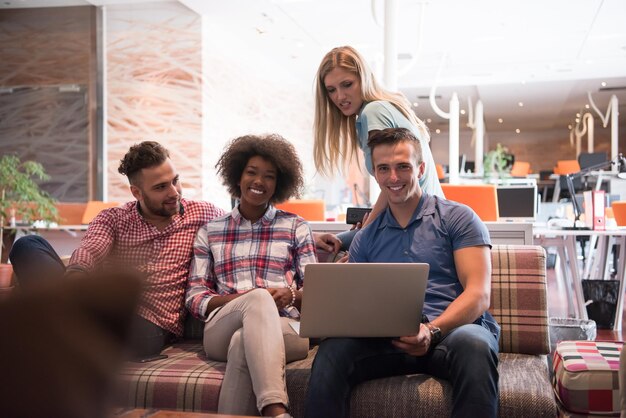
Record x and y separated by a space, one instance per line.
467 357
34 260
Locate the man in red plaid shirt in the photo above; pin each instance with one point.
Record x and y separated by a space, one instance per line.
153 234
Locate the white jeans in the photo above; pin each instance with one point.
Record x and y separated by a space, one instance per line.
256 343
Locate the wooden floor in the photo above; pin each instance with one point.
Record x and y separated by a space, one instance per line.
557 307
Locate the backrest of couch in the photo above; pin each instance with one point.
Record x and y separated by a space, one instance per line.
519 298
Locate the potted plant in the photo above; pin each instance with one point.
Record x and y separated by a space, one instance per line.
497 163
21 198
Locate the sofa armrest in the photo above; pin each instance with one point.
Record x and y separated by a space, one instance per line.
519 298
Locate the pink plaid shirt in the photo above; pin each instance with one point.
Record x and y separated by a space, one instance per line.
121 235
231 255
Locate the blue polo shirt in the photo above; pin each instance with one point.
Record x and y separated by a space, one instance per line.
438 228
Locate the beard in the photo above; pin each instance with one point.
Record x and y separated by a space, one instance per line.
161 209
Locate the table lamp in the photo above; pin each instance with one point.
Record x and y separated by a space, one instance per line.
619 161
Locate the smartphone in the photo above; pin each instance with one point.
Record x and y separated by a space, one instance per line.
151 358
355 215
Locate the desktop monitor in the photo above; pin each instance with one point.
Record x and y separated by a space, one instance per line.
517 202
586 160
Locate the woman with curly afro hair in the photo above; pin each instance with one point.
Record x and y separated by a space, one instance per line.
247 273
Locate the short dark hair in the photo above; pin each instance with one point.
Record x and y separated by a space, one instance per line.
273 148
392 136
144 155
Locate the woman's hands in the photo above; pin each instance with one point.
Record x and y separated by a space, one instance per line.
282 296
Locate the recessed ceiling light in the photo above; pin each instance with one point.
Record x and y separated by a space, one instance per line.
415 104
577 120
569 127
438 130
428 120
462 111
603 84
577 115
520 104
500 120
517 131
587 106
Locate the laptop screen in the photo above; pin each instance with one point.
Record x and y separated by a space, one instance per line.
517 203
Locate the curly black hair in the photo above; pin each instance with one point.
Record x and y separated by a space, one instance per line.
271 147
144 155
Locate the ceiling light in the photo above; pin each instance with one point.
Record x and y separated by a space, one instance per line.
428 120
569 127
577 120
500 120
517 131
438 130
520 104
415 104
577 115
462 111
587 106
603 84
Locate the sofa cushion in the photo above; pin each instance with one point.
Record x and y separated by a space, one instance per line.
186 380
518 298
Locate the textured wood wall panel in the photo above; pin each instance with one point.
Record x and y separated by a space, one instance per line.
45 46
154 88
41 49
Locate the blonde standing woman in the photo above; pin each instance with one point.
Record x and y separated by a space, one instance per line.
350 106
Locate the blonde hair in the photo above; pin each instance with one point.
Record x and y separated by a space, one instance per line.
335 138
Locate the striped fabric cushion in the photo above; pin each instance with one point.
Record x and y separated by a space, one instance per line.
518 298
186 380
586 376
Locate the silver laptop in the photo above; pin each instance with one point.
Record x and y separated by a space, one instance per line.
362 299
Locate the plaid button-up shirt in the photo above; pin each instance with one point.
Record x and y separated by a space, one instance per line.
121 235
232 255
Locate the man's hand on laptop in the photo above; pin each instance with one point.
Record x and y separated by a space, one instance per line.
414 345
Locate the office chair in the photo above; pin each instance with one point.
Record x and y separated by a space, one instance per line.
310 210
520 169
440 173
94 207
482 198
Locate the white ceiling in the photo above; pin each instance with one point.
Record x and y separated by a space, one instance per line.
546 54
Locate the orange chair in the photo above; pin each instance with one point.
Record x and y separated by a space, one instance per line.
310 210
94 207
520 169
482 198
440 173
566 167
619 212
70 213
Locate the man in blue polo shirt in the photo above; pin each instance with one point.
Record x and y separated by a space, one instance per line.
460 341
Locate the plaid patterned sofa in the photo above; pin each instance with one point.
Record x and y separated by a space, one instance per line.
186 380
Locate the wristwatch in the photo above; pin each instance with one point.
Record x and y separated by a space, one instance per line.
435 334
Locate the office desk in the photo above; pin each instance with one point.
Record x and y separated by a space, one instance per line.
565 243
